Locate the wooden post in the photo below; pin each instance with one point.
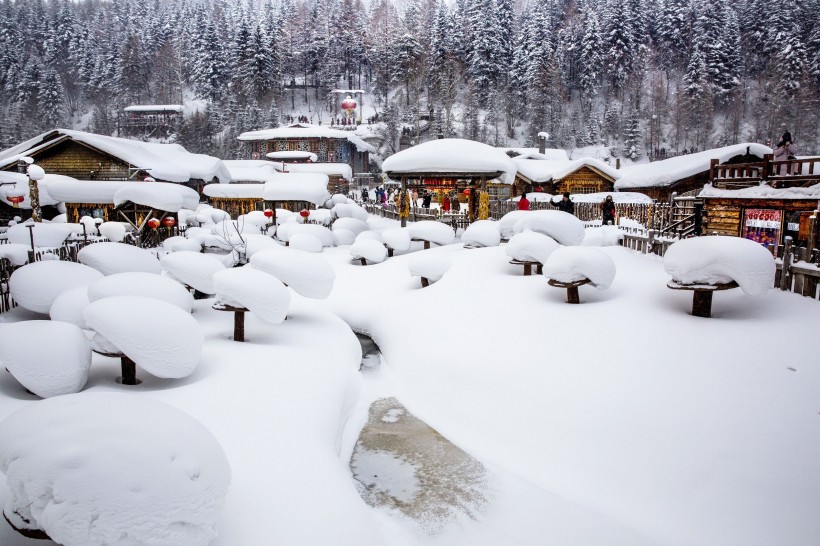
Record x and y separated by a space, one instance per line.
702 303
425 282
527 269
787 262
572 294
239 326
426 245
765 174
712 164
389 252
363 261
403 196
129 371
810 245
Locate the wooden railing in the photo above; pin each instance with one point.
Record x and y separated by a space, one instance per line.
787 173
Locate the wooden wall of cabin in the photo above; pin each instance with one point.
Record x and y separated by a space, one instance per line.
236 206
584 180
75 211
725 216
72 159
328 150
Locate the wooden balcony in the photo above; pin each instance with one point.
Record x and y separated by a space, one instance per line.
790 173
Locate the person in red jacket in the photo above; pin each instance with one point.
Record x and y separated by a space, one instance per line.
445 203
524 203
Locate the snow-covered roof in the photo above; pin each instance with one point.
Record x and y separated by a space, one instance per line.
532 153
451 155
20 187
168 162
158 195
298 187
538 169
667 172
762 192
304 130
331 169
293 154
69 190
245 191
250 170
617 197
154 108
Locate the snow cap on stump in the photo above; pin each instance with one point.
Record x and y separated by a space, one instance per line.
111 258
370 250
529 246
430 265
433 231
307 274
145 285
561 226
482 233
262 294
36 286
576 263
193 268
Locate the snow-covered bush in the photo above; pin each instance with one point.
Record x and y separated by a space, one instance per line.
307 274
573 264
245 287
429 266
602 236
430 230
111 258
35 286
146 285
104 469
193 269
368 250
481 234
69 307
306 242
529 246
561 226
49 358
719 260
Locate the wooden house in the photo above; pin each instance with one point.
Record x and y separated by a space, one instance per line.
292 192
329 145
149 121
535 172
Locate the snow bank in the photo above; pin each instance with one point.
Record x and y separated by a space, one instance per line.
306 242
430 265
602 236
529 246
397 239
351 224
159 337
111 258
36 286
262 294
713 260
16 254
571 264
370 250
45 235
482 233
561 226
113 469
307 274
48 358
193 268
146 285
430 230
507 222
69 306
451 155
285 231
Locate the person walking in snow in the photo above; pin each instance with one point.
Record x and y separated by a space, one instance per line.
565 204
524 203
445 203
608 210
455 204
784 151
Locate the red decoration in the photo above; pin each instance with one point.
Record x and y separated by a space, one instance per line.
168 221
349 104
466 192
304 213
153 223
268 213
15 199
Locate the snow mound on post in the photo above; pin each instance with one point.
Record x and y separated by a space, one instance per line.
113 231
430 230
370 250
255 243
482 233
374 235
342 237
571 264
113 469
159 337
718 260
306 242
69 306
112 258
602 236
529 246
35 286
45 235
307 274
338 198
48 358
145 285
397 239
262 294
350 224
349 210
431 266
507 223
561 226
16 254
285 231
193 268
178 243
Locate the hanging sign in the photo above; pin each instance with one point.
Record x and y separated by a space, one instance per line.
763 225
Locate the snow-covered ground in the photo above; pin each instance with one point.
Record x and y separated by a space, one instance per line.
620 421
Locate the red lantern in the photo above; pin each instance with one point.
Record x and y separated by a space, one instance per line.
168 221
268 213
153 223
15 199
349 104
467 191
304 213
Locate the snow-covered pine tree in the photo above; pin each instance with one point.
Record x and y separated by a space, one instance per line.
50 95
632 137
591 59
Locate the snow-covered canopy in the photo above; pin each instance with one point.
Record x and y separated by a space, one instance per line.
575 263
49 358
433 231
762 192
106 468
430 265
292 154
397 239
250 171
349 210
544 170
306 242
146 285
482 233
16 184
35 286
69 306
15 253
310 187
169 162
451 155
261 293
158 195
111 258
561 226
717 260
368 249
193 268
159 337
617 197
530 246
304 130
342 170
153 108
350 224
506 225
244 191
45 235
667 172
308 274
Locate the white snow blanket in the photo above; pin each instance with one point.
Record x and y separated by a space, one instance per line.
321 216
370 250
397 239
69 307
349 210
431 230
530 246
451 155
193 268
45 235
284 232
307 274
69 190
36 286
602 236
16 254
430 265
351 224
244 191
112 258
506 224
763 192
571 264
17 185
310 187
482 233
263 294
561 226
713 260
113 231
158 195
159 337
49 358
148 285
106 469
